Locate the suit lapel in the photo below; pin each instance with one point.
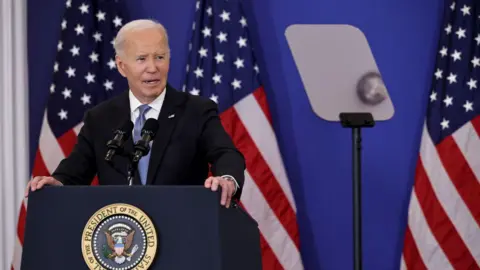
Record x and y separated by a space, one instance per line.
167 119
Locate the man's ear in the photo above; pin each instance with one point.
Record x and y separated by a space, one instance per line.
120 65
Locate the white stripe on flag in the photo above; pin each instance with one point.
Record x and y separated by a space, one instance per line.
51 152
273 231
430 251
447 195
468 142
259 128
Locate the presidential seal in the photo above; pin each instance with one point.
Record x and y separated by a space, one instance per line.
119 237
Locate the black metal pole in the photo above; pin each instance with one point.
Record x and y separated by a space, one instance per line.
357 209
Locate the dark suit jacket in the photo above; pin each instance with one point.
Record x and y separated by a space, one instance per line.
182 150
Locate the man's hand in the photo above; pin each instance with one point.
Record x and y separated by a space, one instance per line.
228 188
39 181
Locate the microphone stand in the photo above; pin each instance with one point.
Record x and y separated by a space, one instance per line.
356 121
132 169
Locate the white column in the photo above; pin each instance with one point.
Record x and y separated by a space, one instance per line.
14 148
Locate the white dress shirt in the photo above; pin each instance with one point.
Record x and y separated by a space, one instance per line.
154 112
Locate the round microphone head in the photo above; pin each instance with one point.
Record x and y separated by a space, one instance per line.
150 127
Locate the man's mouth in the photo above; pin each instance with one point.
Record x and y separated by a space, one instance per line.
151 82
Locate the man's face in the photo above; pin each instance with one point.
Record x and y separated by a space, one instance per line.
145 63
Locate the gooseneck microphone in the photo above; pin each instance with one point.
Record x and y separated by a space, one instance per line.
148 133
121 135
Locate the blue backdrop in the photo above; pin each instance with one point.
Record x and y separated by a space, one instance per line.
403 37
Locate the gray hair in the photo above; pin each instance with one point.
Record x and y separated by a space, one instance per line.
119 42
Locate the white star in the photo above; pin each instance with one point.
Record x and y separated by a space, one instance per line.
52 88
214 98
69 3
193 26
90 78
63 114
100 16
236 84
239 63
97 36
225 16
64 24
468 106
256 69
79 29
242 42
60 46
433 96
443 51
108 85
217 78
452 6
85 99
444 123
460 33
195 91
67 93
438 74
83 8
93 57
243 22
55 67
222 37
475 61
207 32
198 72
197 5
448 29
70 72
75 50
456 55
465 10
117 21
219 58
111 64
472 83
452 78
448 101
477 39
203 52
209 11
184 87
187 68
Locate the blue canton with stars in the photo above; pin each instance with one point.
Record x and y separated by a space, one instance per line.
455 97
85 73
221 63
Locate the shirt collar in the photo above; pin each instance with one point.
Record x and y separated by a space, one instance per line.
155 104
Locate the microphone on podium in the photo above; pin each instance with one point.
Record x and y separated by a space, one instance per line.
148 133
121 135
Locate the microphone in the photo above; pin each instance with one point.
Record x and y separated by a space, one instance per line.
148 133
121 135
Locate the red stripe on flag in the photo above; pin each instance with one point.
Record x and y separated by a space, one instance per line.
39 168
67 141
440 224
21 223
476 125
261 173
461 174
413 261
261 98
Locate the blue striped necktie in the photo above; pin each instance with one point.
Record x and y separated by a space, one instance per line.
143 162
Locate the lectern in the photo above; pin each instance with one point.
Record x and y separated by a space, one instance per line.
137 227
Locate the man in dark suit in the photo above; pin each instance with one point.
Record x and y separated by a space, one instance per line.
190 137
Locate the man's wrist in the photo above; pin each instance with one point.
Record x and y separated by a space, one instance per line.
231 178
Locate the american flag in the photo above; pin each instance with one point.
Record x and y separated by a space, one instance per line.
222 66
444 213
83 75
